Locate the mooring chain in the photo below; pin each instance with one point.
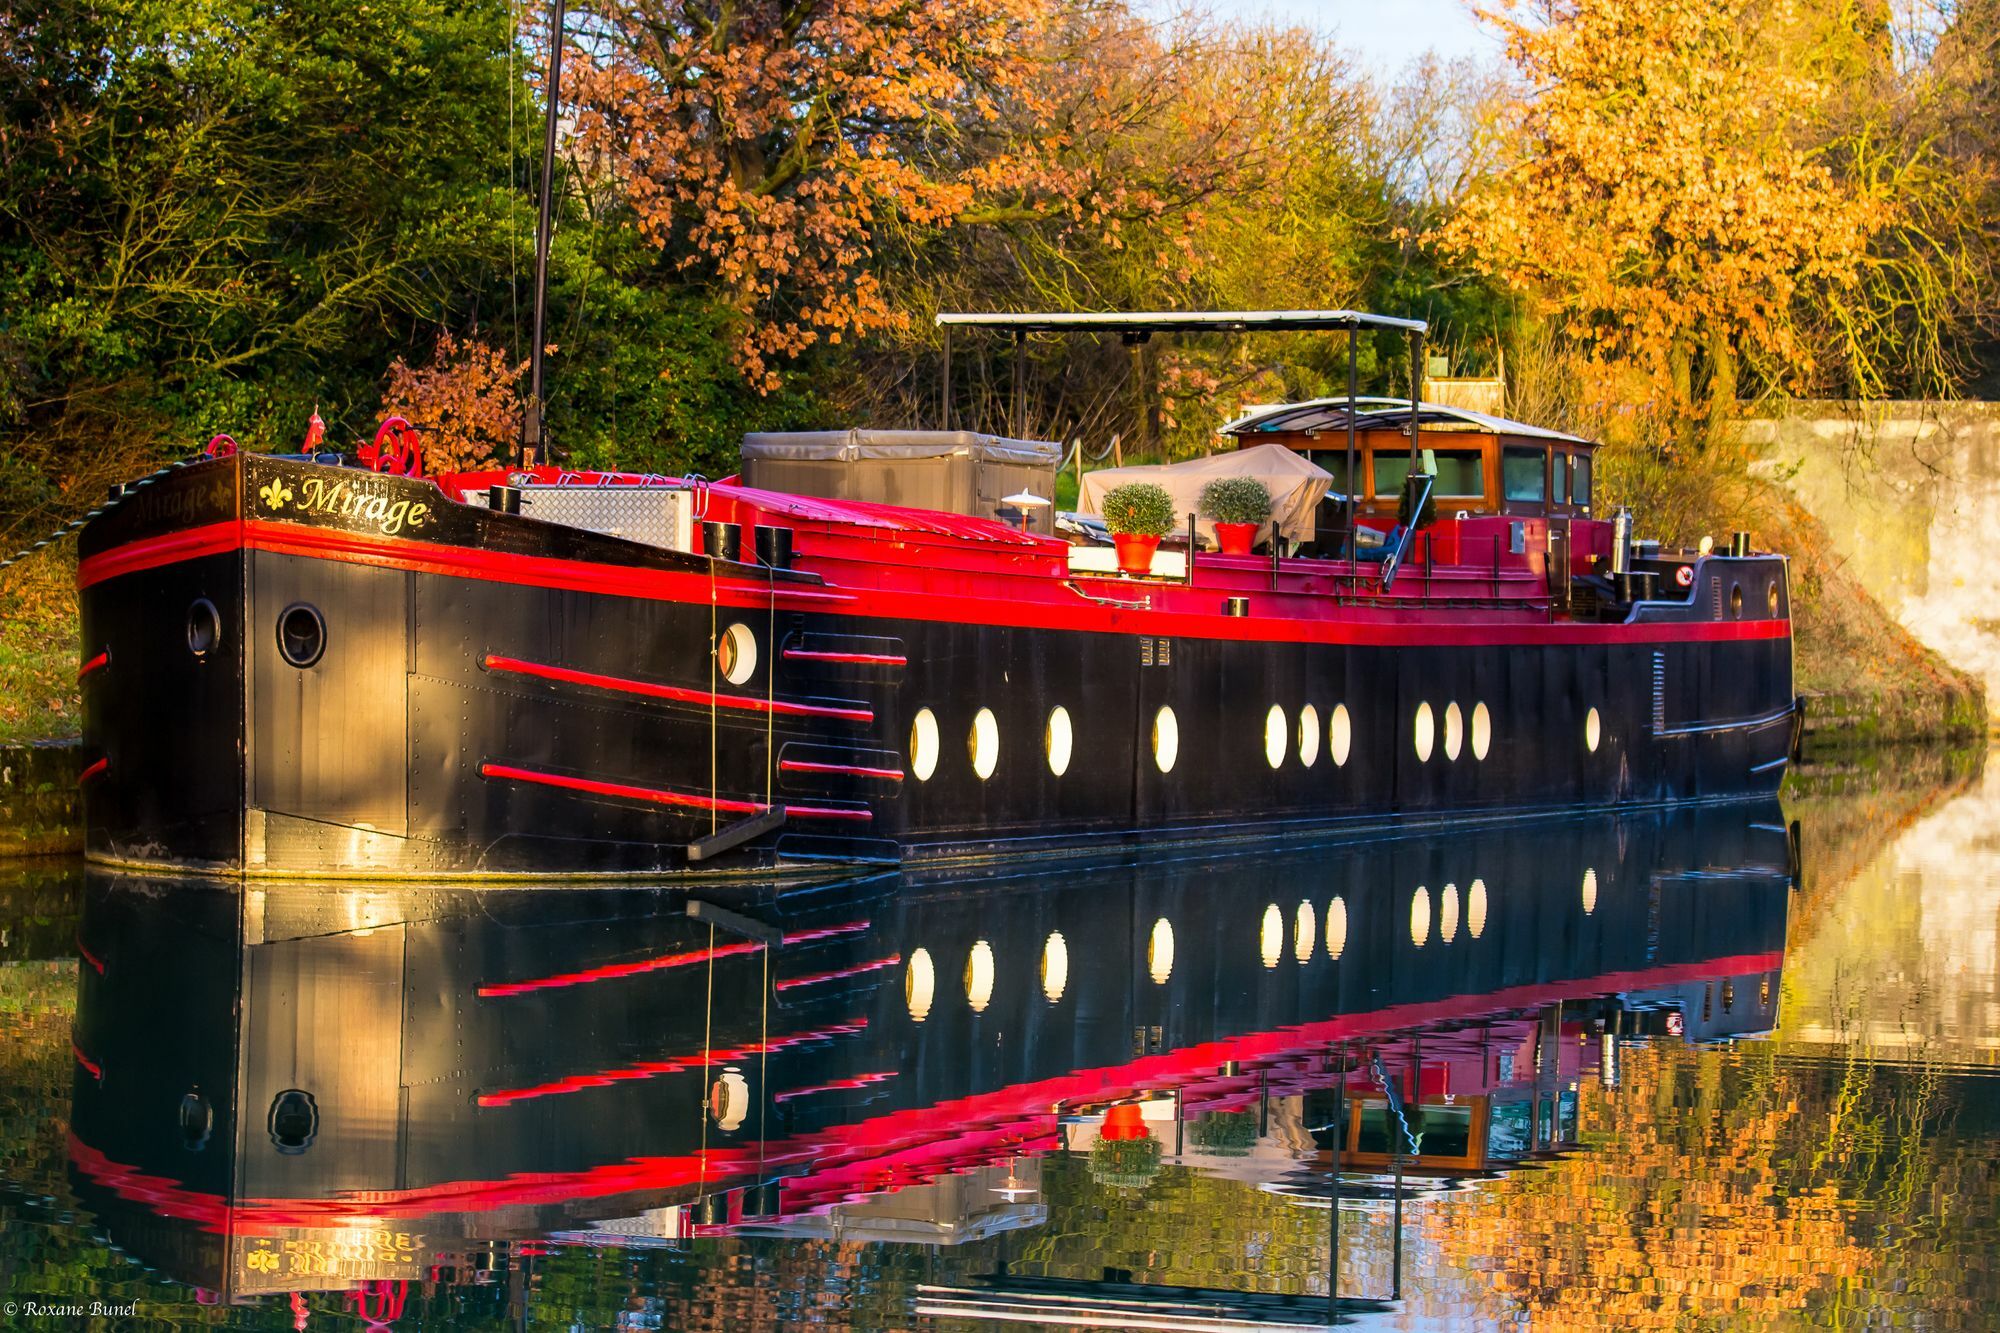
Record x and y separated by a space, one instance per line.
1395 1104
125 493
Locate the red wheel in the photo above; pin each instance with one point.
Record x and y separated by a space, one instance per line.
397 450
220 446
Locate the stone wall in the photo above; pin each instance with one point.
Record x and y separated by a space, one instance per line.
1909 492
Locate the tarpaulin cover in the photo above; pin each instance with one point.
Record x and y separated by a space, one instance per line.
1296 484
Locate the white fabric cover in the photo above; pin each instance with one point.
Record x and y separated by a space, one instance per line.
1296 484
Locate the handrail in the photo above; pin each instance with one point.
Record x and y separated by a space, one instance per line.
1415 482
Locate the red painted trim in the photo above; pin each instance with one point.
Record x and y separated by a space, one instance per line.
95 770
90 1066
188 544
837 1085
661 796
827 932
853 659
97 663
501 989
672 1065
839 973
673 693
853 770
96 963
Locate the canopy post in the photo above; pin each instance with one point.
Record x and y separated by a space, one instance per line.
1416 390
1353 408
944 389
1019 404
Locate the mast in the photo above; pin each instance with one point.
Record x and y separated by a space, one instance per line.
532 422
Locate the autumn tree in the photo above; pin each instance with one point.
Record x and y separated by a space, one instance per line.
1664 202
466 402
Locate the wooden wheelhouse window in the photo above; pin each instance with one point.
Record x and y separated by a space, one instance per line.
1461 473
1559 475
1579 479
1524 475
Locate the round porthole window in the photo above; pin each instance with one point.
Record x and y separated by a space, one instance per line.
924 744
1426 733
736 654
301 634
1275 740
1736 601
1593 730
1340 735
1166 739
1058 737
293 1122
1308 736
982 743
1771 596
1454 731
1482 731
204 627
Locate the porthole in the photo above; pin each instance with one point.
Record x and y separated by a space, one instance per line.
1420 916
1589 891
301 634
1482 731
1055 966
1308 736
983 743
1058 738
1336 928
1340 735
979 976
1736 601
1271 937
1593 730
1448 913
1426 733
924 744
293 1122
1771 596
1454 731
736 654
1276 742
1160 952
920 984
729 1100
1304 928
1166 740
1475 909
204 627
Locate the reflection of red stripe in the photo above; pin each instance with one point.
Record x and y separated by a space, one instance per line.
96 963
90 1066
826 932
661 796
855 659
94 770
853 770
97 663
675 693
814 978
673 1065
613 970
838 1085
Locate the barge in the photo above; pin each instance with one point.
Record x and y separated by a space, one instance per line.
300 665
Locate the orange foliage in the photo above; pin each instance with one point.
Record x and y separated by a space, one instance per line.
465 402
1663 199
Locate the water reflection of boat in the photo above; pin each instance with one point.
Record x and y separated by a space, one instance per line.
295 1088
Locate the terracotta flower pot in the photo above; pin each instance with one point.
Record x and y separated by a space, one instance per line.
1235 538
1135 551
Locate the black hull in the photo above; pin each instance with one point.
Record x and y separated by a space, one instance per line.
467 719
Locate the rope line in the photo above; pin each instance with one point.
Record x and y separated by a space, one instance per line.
70 528
1395 1101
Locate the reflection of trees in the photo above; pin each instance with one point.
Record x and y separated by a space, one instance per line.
1738 1185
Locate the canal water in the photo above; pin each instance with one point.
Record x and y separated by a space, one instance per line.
1728 1067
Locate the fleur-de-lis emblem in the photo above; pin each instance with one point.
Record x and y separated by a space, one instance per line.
276 495
262 1261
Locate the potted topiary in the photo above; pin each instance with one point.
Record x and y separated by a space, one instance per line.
1238 506
1138 514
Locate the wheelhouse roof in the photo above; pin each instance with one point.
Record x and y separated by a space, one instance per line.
1180 321
1330 415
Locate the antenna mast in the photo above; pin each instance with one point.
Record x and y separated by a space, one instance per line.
532 422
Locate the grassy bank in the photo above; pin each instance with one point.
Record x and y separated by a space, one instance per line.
38 649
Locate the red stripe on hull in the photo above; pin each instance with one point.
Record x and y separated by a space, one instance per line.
851 770
95 664
96 770
662 796
852 659
1014 602
672 693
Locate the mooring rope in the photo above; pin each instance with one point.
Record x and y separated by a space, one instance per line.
125 493
1395 1104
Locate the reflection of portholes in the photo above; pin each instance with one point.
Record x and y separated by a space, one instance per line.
294 1121
1160 952
1336 928
920 985
1055 966
197 1119
979 976
1271 936
729 1100
1304 927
